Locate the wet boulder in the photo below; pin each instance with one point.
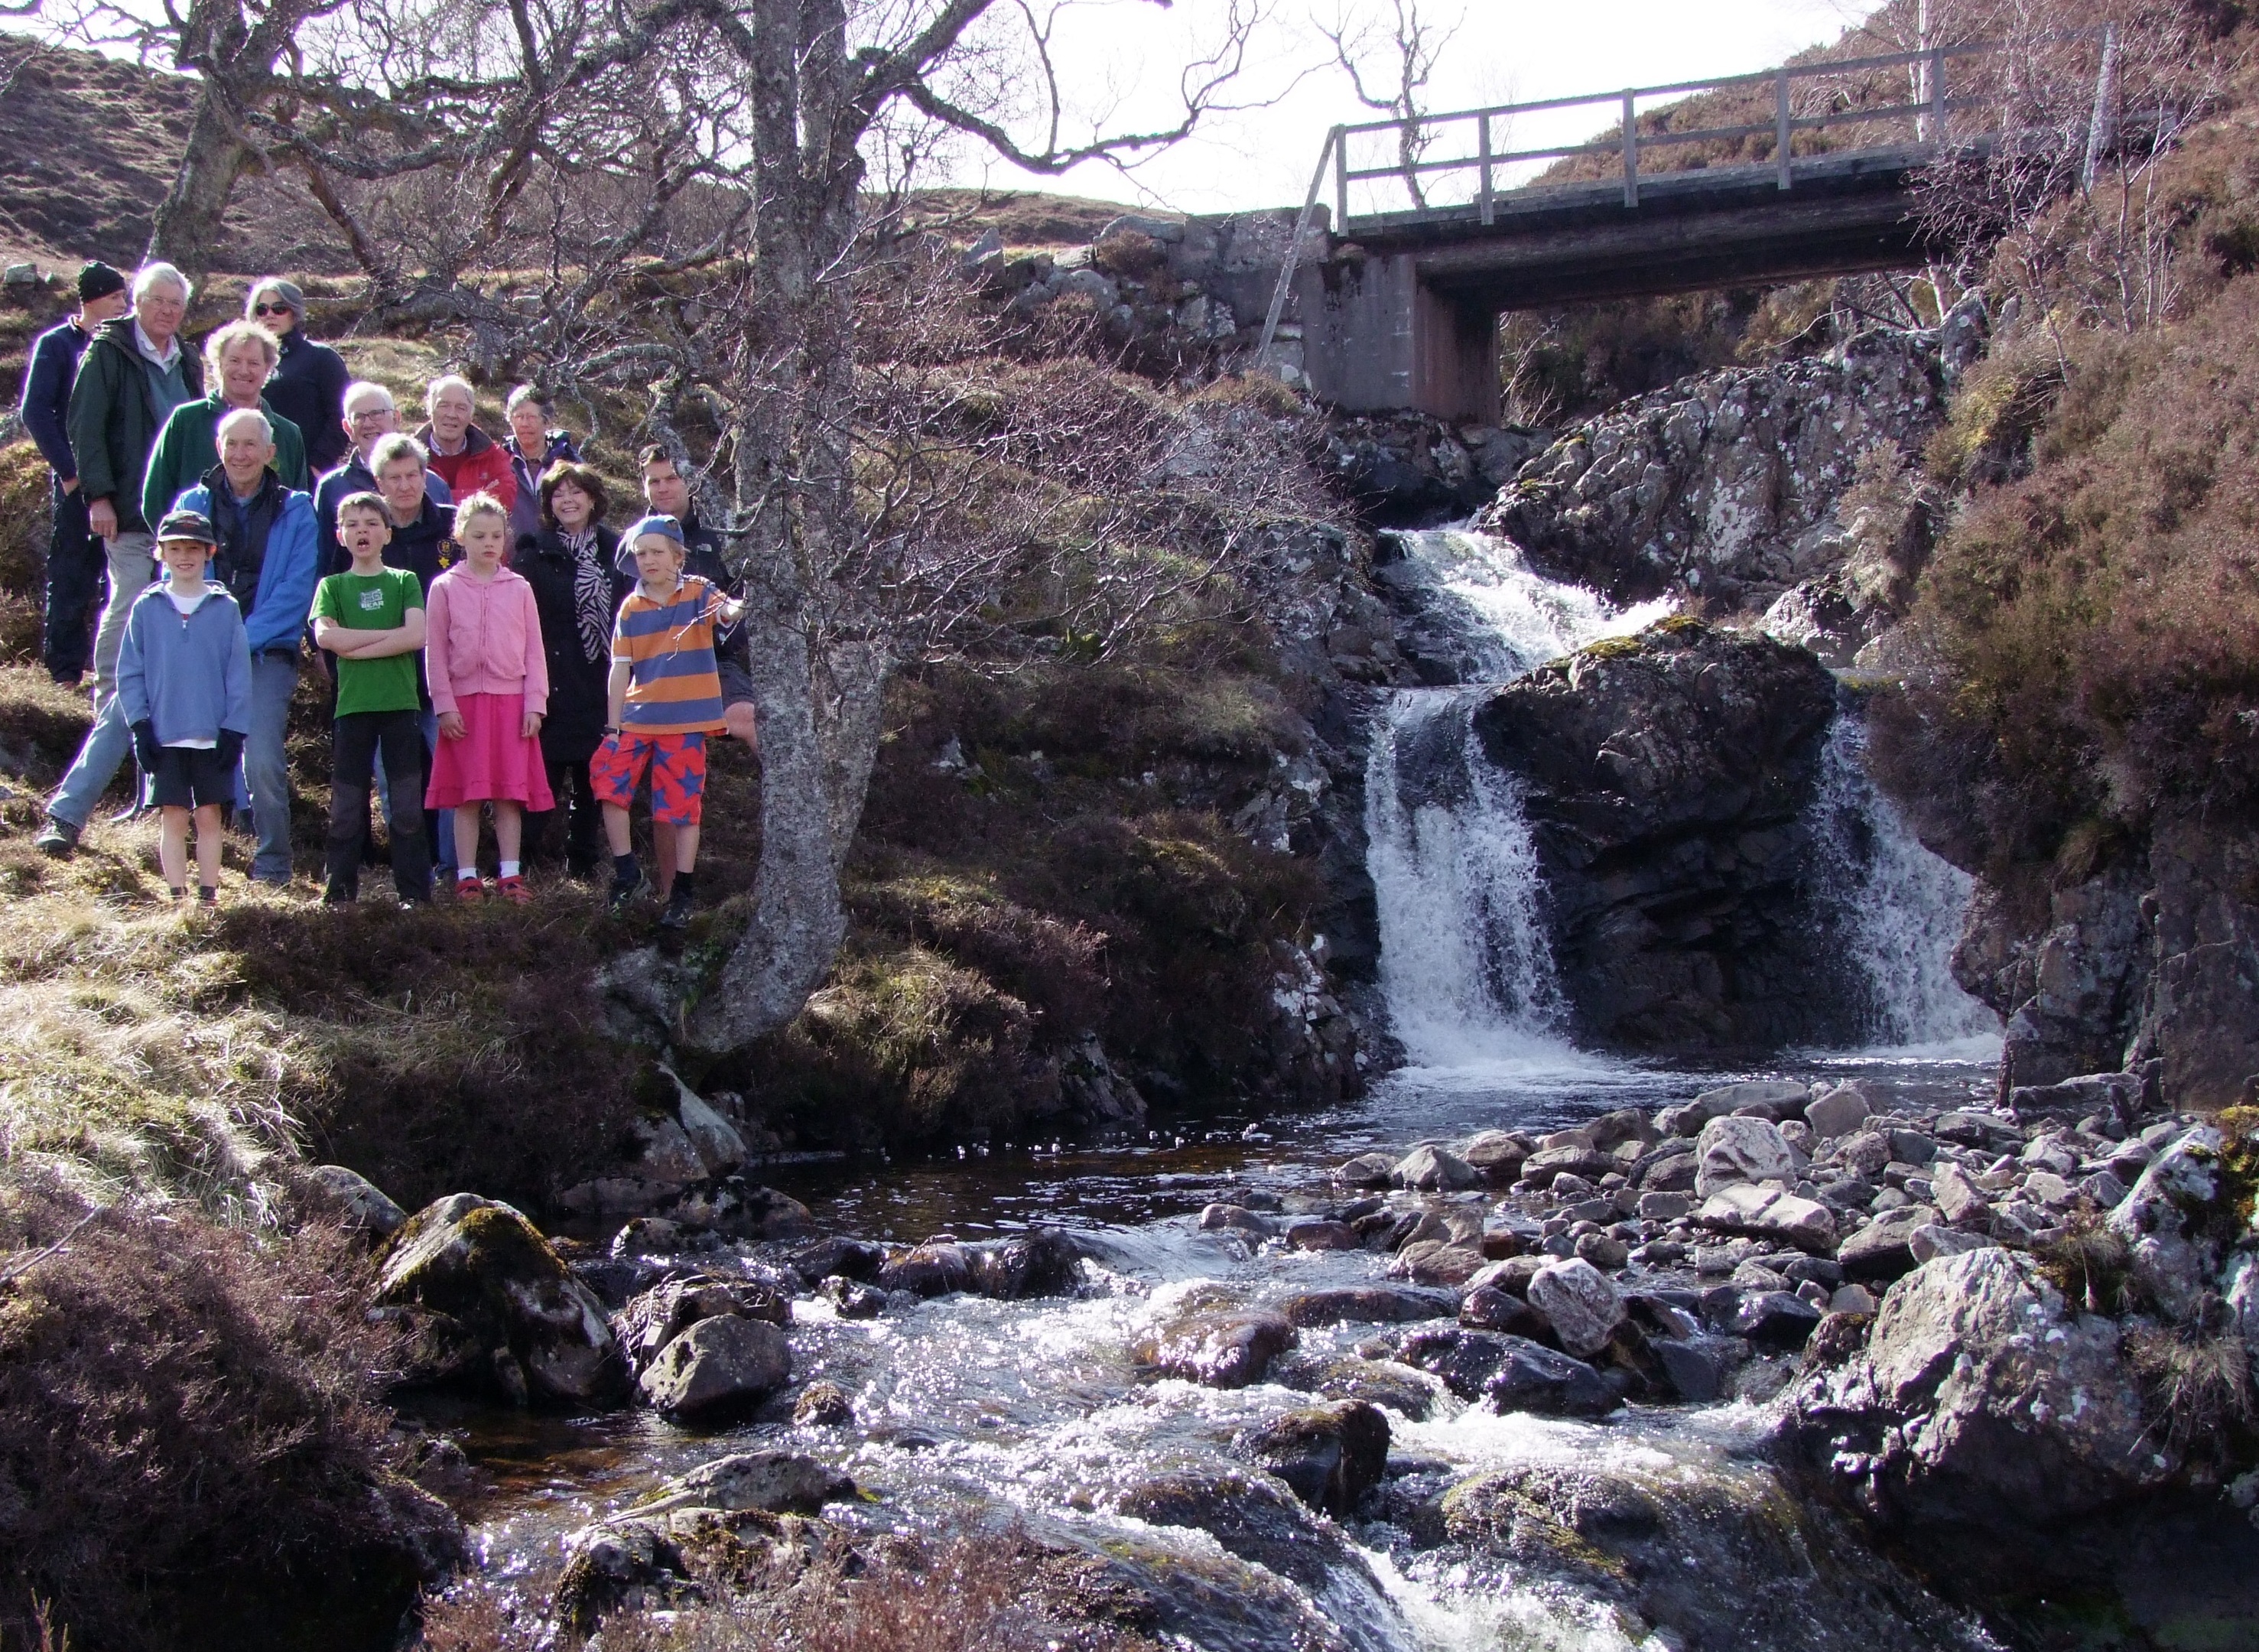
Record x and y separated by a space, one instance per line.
1043 1262
1735 1150
1512 1372
1329 1455
1488 1308
1579 1305
1378 1382
1368 1304
1497 1156
1432 1169
822 1404
853 1258
937 1267
650 1321
1220 1217
769 1482
1218 1350
540 1333
1775 1318
718 1369
1436 1262
1884 1249
1367 1170
618 1565
1982 1399
1314 1234
743 1210
1766 1213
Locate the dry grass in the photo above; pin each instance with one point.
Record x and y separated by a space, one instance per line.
2198 1380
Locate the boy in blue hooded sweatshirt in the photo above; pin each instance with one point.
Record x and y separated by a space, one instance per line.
184 688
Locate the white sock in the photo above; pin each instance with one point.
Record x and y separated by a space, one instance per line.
467 874
509 869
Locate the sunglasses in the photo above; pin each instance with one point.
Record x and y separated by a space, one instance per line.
272 310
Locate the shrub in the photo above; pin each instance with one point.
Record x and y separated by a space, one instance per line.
190 1454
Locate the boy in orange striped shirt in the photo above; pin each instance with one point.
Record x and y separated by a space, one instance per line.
666 698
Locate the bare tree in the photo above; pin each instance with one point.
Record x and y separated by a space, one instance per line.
1407 46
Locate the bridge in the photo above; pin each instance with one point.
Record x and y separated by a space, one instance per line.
1401 312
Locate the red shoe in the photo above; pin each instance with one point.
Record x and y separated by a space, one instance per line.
469 889
513 888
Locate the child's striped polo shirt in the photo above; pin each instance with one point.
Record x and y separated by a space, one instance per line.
674 686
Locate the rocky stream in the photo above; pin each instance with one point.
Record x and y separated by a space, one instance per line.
1676 1347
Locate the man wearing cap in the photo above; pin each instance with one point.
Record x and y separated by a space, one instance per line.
134 373
264 536
266 558
73 559
309 386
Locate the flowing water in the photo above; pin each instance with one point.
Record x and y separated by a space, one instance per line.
1034 1412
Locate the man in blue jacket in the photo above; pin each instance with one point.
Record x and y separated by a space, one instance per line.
266 561
74 559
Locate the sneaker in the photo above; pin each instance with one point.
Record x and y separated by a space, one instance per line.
626 889
207 899
57 840
513 888
470 889
677 915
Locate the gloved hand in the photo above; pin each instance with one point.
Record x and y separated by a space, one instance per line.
147 751
230 747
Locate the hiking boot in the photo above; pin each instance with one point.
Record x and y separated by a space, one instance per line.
625 889
677 915
57 839
513 888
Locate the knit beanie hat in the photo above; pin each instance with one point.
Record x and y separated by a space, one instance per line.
97 280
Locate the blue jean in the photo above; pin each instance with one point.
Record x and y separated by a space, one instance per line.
440 822
266 765
100 755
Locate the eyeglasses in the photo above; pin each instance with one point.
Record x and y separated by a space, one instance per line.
272 310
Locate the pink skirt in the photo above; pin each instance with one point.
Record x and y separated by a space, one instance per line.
492 759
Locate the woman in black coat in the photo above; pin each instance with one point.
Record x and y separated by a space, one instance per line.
571 565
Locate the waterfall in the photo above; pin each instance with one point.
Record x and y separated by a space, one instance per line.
1896 907
1465 965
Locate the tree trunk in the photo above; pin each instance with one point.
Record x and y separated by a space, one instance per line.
188 223
818 682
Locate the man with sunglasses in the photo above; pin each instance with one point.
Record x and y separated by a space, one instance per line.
309 386
370 416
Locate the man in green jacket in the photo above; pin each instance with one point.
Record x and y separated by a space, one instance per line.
238 359
135 372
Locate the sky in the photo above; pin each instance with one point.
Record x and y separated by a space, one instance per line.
1122 56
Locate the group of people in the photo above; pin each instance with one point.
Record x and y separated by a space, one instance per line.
492 644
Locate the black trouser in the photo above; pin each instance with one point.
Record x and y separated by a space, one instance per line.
76 568
583 822
355 738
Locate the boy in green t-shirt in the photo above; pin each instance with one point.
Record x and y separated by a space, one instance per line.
371 617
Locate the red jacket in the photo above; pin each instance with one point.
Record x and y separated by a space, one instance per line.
483 464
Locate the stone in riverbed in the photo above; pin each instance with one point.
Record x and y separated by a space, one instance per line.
1371 1304
1491 1309
1433 1169
1733 1150
651 1320
717 1368
1884 1249
850 1299
1436 1262
1928 1243
822 1405
771 1482
1699 1367
1218 1350
1665 1171
1329 1455
1366 1170
856 1259
1378 1382
1775 1318
1313 1234
1838 1112
1768 1213
487 1270
1215 1217
1578 1303
1496 1155
1958 1198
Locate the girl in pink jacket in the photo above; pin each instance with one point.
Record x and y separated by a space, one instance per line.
490 686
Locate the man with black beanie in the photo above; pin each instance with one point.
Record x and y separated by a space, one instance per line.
75 563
